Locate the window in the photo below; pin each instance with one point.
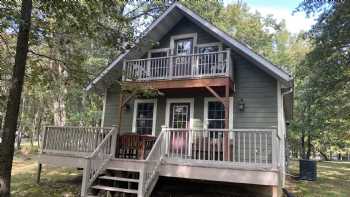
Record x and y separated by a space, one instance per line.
208 49
216 115
183 46
144 117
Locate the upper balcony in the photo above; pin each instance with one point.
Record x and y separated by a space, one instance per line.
179 67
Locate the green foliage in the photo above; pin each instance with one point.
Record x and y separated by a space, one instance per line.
323 79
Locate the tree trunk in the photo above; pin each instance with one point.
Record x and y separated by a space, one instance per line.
14 99
324 155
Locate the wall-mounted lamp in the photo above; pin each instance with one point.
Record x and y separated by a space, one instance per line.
241 105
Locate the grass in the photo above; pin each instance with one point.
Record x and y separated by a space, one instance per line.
333 180
55 182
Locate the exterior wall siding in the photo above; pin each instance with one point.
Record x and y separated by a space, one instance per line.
259 93
185 27
257 89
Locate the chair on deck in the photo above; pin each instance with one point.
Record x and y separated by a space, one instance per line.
134 146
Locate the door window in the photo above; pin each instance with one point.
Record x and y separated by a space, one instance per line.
179 115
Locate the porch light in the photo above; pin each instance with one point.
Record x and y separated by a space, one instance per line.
241 105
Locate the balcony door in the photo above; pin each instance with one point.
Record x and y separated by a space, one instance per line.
183 60
159 64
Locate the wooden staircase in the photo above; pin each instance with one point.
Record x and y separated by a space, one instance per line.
115 182
103 178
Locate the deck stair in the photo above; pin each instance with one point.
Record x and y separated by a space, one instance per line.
114 182
108 181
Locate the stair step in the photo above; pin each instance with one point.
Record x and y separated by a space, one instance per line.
122 169
115 189
119 179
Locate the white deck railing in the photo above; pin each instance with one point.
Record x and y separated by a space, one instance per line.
149 174
245 147
72 140
178 67
96 161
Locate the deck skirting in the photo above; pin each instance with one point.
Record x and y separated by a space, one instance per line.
232 175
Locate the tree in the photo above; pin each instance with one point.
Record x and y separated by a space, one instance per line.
324 79
10 125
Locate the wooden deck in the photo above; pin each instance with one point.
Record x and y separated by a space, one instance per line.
181 153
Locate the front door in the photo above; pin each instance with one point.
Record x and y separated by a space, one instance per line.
179 120
179 115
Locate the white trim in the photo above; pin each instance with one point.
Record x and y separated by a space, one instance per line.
103 108
183 36
136 102
158 50
205 115
179 100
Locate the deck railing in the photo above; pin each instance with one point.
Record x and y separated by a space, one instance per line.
97 160
150 172
178 66
245 147
72 140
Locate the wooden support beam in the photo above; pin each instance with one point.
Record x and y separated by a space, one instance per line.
182 83
132 95
215 94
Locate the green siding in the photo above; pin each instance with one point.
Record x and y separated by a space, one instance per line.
259 92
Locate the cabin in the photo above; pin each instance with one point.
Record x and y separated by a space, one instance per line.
188 102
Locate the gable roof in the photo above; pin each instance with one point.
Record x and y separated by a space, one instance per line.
169 19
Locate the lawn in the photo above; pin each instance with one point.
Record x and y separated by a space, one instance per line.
55 182
333 180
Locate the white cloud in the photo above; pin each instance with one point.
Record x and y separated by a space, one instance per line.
295 22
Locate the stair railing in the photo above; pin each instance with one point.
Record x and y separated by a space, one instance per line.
150 173
97 161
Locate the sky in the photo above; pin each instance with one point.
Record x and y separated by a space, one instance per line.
281 9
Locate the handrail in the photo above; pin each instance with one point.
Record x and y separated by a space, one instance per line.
193 65
101 144
98 159
72 139
152 163
180 55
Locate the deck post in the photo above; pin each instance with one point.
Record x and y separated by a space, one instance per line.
114 140
227 114
39 173
84 183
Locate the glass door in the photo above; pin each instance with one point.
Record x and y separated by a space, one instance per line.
183 59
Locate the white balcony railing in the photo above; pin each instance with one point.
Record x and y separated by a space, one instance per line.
178 67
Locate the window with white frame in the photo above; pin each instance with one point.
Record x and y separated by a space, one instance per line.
216 115
144 117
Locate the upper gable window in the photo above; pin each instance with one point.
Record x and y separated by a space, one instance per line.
184 46
208 49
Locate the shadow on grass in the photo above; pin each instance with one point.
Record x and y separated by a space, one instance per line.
332 181
55 182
